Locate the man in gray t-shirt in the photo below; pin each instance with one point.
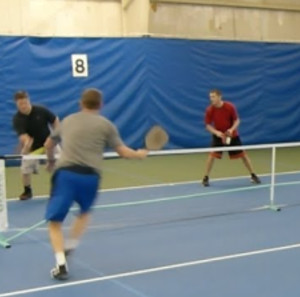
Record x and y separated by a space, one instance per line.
84 136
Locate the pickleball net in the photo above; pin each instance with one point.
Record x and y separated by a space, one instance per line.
166 187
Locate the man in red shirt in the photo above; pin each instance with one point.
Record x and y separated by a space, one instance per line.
222 121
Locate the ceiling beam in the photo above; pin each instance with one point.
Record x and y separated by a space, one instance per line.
236 4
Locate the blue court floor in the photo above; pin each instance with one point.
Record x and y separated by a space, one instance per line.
167 240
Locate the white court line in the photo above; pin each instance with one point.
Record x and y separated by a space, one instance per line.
152 270
167 184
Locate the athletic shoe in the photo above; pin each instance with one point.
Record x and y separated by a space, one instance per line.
26 195
60 272
255 179
69 251
205 181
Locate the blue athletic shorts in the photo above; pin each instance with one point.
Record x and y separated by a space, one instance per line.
69 187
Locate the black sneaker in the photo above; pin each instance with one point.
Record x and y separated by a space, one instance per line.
25 195
255 179
60 272
69 251
205 181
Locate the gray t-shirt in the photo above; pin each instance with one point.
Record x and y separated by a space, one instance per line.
84 136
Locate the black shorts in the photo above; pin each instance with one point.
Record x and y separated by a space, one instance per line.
235 141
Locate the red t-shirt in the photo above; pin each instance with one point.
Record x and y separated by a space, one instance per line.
222 118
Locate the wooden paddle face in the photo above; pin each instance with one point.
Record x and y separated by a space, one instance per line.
156 138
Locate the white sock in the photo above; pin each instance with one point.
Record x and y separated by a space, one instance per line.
60 258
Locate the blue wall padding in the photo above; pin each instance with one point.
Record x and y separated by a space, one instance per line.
149 81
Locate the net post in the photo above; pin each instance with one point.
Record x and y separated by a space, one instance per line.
3 206
272 184
6 241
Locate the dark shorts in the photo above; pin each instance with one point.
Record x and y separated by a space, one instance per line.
68 187
235 141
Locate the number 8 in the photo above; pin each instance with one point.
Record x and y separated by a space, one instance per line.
79 66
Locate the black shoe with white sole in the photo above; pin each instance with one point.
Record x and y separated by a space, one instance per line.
60 272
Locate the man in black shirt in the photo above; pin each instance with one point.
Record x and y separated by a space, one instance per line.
32 124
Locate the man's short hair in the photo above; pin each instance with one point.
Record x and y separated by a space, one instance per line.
20 95
91 98
216 91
